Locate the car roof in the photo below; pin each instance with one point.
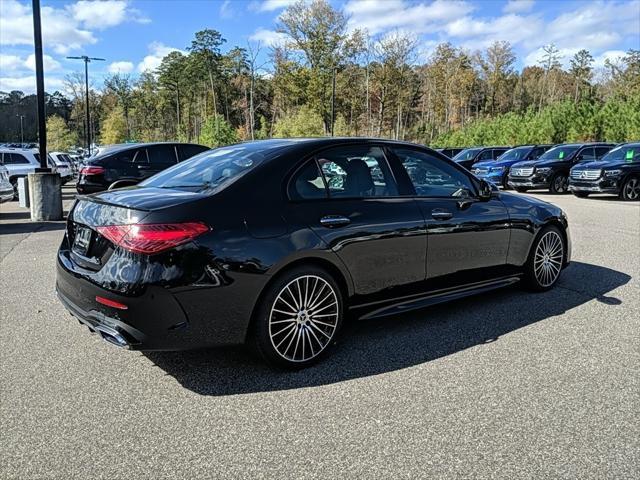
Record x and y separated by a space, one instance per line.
117 147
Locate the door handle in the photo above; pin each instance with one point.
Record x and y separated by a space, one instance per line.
143 167
441 214
333 221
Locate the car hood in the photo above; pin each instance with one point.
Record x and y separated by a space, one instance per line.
525 164
144 198
600 164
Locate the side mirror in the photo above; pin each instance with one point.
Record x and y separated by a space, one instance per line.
485 191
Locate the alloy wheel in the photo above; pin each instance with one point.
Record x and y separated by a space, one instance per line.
303 318
548 258
632 189
560 184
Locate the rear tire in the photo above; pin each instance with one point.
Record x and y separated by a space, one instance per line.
581 194
559 184
630 190
546 259
298 318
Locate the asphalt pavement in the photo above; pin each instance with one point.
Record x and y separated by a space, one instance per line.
506 385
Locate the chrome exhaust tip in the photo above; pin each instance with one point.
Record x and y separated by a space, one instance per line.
112 336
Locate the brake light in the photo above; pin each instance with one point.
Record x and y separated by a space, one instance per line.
111 303
152 238
92 170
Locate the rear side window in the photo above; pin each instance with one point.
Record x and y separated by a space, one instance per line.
15 159
307 183
498 152
537 152
128 156
162 155
188 151
209 172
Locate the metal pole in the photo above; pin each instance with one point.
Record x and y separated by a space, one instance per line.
86 89
333 101
21 129
42 124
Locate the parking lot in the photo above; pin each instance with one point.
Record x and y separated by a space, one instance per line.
509 384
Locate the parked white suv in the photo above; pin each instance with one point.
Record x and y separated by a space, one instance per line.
63 165
20 162
6 189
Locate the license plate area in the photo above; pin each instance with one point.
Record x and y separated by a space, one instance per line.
82 240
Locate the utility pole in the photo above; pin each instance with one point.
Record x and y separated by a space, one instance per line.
42 124
21 128
86 61
333 101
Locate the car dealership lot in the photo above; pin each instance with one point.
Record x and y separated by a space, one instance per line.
509 384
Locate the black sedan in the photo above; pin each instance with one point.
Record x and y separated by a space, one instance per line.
468 157
128 164
272 243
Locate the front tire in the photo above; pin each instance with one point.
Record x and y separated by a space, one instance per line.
298 318
630 189
546 259
559 184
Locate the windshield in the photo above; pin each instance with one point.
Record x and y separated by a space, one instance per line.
559 153
466 154
624 153
518 153
212 170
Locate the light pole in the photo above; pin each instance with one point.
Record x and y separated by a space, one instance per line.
86 61
21 129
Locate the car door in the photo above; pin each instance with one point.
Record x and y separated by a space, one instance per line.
463 233
347 195
161 156
586 154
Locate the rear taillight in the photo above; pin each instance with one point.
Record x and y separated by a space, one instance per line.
91 170
152 238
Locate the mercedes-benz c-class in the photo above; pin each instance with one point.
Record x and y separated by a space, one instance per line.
274 243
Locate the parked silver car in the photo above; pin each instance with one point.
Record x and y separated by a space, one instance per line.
6 189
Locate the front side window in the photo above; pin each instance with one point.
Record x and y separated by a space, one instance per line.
486 155
466 154
162 155
586 155
601 152
515 154
432 177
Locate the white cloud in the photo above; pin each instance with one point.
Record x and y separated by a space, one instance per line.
518 6
9 63
99 15
270 5
157 51
381 16
611 55
48 62
269 38
226 11
27 83
120 67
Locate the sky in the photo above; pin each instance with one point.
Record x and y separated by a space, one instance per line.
134 35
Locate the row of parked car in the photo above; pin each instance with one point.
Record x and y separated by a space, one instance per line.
580 168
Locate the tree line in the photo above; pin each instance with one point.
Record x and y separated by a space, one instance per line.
384 87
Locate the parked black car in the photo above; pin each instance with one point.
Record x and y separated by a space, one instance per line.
618 172
450 151
497 171
129 164
469 156
551 170
250 243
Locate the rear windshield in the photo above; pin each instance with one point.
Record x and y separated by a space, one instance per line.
623 153
559 153
467 154
210 171
515 153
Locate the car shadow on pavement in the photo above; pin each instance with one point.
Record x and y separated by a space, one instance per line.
30 227
374 347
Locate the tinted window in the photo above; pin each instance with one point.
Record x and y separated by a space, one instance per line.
624 153
432 177
15 159
211 171
602 151
519 153
356 172
188 151
498 152
537 152
559 153
466 154
162 155
307 183
128 156
486 155
586 155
